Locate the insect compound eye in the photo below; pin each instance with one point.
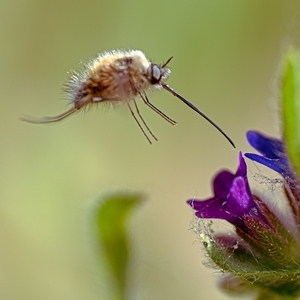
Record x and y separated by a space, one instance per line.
156 74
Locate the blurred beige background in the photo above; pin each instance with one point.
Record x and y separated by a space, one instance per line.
226 57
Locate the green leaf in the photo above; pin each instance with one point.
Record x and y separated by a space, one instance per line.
291 107
111 221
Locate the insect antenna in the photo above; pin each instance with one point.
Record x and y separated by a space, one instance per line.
169 89
167 62
45 120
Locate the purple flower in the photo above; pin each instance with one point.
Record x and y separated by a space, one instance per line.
273 153
262 251
232 197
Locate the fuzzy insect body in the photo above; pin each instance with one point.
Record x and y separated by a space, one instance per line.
112 76
118 76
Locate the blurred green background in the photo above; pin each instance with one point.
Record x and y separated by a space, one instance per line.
226 59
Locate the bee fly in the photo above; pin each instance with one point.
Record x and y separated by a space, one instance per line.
119 76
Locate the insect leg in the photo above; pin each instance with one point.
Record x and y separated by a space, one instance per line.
138 112
149 104
53 119
132 113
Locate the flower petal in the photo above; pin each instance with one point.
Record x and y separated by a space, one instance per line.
267 146
232 197
273 153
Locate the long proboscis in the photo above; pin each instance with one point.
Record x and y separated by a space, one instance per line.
45 120
169 89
